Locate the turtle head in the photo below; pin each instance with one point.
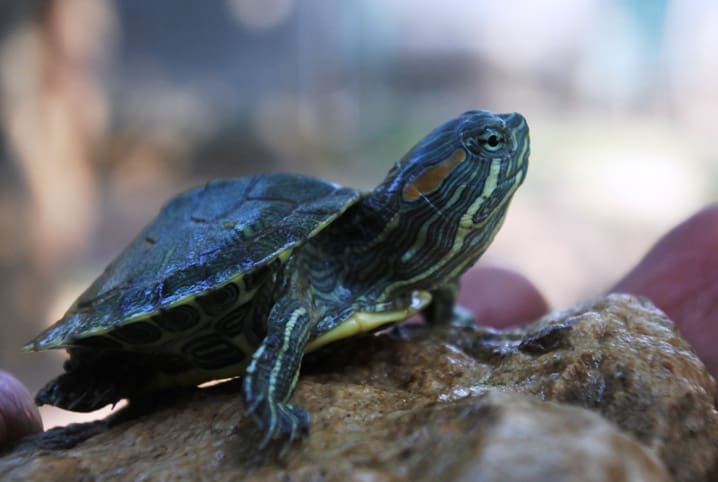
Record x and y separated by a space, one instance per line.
451 190
467 168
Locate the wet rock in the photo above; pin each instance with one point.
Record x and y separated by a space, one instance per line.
603 391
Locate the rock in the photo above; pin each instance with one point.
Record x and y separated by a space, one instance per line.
605 391
577 445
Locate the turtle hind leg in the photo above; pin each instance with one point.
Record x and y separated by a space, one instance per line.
72 392
94 380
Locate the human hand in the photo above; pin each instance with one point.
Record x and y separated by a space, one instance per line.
679 275
18 414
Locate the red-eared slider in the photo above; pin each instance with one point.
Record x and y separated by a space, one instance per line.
243 276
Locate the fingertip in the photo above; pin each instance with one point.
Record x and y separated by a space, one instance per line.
679 274
18 414
500 297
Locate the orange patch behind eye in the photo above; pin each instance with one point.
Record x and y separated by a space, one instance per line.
430 179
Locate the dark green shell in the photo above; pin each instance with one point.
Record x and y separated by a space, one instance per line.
206 239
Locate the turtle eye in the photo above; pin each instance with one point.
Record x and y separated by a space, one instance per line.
491 140
485 140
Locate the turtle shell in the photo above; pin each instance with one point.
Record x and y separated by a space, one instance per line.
206 248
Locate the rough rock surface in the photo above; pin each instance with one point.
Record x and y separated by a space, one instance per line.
436 403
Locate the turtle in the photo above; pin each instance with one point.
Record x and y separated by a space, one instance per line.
243 276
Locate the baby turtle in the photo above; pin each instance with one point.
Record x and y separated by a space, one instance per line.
244 276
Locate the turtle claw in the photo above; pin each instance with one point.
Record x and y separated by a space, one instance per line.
279 420
462 317
252 406
282 421
70 392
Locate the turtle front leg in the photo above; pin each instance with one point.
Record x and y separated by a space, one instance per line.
273 371
443 307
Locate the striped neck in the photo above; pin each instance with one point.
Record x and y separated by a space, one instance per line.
419 246
435 213
441 205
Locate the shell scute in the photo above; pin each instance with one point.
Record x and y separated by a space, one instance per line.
138 333
212 351
178 319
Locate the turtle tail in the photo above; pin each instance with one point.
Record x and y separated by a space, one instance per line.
92 381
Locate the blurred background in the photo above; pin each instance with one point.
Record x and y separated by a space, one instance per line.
108 108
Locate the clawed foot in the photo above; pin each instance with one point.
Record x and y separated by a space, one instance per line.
460 316
268 385
279 420
71 392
